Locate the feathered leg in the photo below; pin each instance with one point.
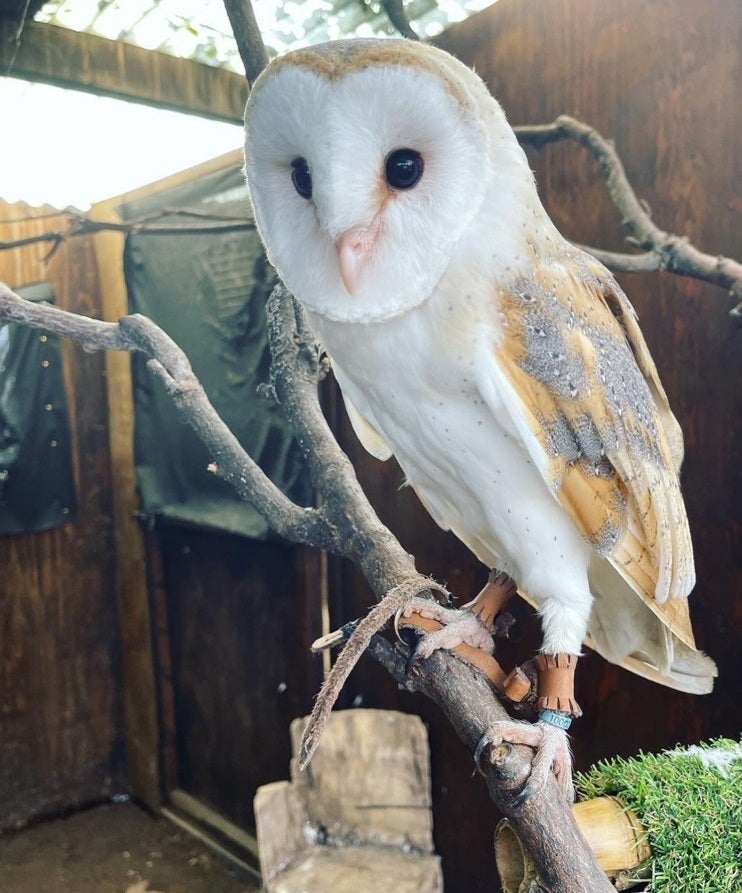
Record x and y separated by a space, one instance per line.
557 707
564 618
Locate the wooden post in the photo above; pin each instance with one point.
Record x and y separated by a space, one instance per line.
141 720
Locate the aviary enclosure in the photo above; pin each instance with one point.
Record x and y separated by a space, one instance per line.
155 639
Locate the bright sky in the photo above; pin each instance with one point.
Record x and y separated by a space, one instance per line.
64 147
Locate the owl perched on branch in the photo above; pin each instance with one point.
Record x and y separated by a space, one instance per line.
502 367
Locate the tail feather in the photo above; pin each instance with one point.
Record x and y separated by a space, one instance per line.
625 630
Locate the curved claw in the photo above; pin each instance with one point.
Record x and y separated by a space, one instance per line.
552 755
484 741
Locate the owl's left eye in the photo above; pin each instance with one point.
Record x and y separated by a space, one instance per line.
403 168
301 177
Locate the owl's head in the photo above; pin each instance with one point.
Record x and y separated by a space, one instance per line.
366 160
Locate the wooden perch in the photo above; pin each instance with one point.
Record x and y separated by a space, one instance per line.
346 525
664 251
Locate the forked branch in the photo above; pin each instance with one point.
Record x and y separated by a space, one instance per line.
170 364
663 250
347 525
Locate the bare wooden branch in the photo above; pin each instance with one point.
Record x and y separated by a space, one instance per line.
249 39
673 253
81 225
398 17
619 262
347 525
297 364
544 821
170 364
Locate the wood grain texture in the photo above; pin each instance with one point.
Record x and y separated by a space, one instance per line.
659 78
60 742
67 58
139 692
240 625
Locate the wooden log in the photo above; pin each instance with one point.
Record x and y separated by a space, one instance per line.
615 835
66 58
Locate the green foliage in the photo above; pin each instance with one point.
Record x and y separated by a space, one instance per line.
690 801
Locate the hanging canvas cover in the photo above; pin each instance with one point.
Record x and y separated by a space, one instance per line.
208 292
37 488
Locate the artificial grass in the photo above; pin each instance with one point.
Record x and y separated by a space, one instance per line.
690 801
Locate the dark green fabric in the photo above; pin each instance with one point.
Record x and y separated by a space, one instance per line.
37 488
208 292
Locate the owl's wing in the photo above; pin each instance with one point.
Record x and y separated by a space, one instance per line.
582 391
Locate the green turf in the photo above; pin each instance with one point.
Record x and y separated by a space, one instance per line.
692 812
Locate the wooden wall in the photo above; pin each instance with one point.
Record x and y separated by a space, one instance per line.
661 78
241 615
60 735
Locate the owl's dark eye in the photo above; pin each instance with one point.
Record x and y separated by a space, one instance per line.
403 168
301 178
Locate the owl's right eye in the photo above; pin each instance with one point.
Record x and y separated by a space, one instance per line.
301 178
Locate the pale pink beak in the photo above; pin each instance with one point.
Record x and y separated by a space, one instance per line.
354 249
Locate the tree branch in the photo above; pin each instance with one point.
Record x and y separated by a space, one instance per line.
673 253
170 364
347 525
250 43
398 17
81 225
297 364
544 821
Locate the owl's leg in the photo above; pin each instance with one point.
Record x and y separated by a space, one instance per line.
557 707
565 625
473 624
552 753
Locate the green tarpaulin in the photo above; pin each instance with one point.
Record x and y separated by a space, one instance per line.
36 483
208 292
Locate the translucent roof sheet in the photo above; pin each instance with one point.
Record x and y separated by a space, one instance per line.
200 29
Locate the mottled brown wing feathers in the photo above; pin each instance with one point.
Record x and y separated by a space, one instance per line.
590 396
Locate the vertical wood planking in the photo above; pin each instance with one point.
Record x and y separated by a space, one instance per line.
139 688
60 736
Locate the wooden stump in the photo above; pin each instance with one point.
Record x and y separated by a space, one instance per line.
615 835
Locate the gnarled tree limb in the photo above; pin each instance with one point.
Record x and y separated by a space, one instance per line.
347 525
170 364
664 251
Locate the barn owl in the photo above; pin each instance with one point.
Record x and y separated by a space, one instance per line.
501 366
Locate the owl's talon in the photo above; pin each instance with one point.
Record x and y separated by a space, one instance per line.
484 741
552 754
466 636
456 627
